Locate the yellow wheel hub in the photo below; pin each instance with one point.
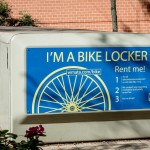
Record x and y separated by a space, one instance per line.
72 107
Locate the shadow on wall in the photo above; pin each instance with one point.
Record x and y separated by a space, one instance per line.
125 145
145 4
138 22
126 28
131 146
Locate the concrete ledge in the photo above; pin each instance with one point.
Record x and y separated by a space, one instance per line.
142 144
87 117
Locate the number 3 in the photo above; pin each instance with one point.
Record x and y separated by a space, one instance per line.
117 99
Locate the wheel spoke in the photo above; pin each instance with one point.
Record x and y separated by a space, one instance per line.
64 100
94 105
53 98
70 88
91 109
86 101
64 88
51 108
77 95
66 93
49 101
74 87
79 88
78 101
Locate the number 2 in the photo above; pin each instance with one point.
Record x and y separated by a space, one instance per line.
117 90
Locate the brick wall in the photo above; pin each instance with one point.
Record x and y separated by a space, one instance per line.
133 15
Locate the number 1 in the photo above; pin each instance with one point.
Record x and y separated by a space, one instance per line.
116 79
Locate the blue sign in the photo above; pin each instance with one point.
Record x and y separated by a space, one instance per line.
87 79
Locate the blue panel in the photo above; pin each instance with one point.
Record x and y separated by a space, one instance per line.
87 79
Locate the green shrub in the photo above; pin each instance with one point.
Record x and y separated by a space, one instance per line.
26 20
5 12
7 140
6 19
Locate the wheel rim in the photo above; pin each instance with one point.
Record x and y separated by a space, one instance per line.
60 92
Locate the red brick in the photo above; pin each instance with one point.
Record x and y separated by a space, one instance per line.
133 16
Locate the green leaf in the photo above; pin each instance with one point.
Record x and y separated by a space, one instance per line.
1 139
3 131
14 136
13 143
3 147
23 145
23 142
42 135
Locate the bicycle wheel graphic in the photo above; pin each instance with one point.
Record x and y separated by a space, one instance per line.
60 92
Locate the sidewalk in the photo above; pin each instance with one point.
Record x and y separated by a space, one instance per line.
142 144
